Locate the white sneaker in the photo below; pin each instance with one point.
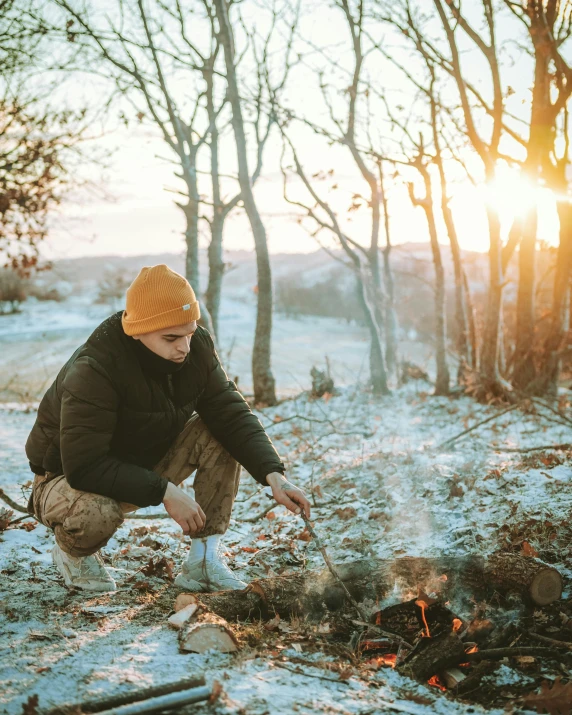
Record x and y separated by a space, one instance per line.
207 570
85 572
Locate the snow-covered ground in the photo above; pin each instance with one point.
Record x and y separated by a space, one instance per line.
382 486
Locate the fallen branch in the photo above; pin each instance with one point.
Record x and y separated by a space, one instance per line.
551 641
500 653
11 503
114 701
467 431
541 447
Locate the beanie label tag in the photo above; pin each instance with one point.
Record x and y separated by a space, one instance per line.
187 306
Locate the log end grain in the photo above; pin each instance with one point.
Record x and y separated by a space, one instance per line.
546 586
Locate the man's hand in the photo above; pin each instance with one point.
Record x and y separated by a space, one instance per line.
287 494
184 510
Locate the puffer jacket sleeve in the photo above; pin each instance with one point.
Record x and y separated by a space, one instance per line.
88 418
230 420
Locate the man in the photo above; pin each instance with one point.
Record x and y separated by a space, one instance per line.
135 410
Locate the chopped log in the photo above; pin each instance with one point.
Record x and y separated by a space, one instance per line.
184 599
311 592
452 677
432 656
180 618
208 632
542 584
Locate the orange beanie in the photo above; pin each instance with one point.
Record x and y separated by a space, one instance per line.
158 298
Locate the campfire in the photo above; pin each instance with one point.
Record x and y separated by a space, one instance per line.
443 632
422 624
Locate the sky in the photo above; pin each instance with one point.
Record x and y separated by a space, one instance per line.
138 214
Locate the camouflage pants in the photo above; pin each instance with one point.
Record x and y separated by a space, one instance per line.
84 522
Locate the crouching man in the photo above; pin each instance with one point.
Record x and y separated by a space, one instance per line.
137 409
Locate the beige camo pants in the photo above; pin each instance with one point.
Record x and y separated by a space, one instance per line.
84 522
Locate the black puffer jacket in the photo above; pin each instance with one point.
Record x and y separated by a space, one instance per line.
116 407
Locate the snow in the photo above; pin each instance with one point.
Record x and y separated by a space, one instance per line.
381 486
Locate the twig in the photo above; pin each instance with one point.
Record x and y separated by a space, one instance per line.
12 503
551 641
299 671
564 445
163 515
450 441
260 515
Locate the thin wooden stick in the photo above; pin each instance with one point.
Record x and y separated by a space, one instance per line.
332 569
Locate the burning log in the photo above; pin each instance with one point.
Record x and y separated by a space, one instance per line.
310 592
432 656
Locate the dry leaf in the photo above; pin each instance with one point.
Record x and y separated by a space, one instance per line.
5 518
347 513
28 525
555 700
304 535
30 707
159 568
527 550
249 549
271 515
273 624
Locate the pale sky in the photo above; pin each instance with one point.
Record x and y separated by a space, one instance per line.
142 216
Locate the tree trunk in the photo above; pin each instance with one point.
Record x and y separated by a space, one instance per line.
216 270
524 371
376 358
390 315
262 377
491 380
560 317
442 381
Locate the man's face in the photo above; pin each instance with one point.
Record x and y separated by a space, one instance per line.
170 343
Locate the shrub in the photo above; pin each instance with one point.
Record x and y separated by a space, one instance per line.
13 291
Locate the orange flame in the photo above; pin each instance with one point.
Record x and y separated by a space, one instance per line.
473 649
436 683
422 605
457 623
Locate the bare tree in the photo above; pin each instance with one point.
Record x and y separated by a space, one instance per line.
426 202
263 379
549 25
146 60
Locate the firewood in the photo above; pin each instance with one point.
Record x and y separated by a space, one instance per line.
452 677
540 583
432 656
184 599
311 592
180 618
208 632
